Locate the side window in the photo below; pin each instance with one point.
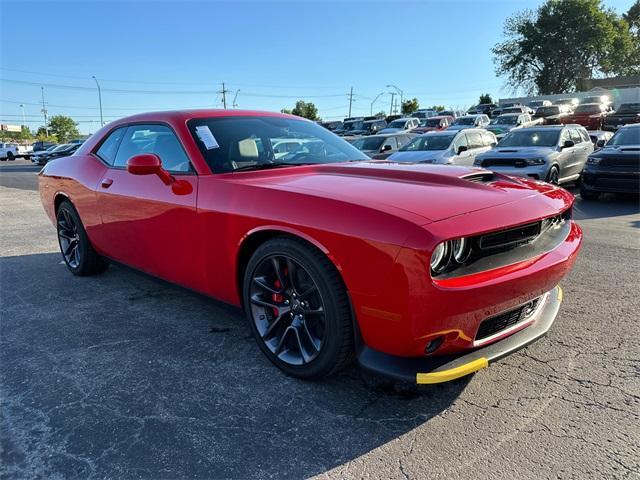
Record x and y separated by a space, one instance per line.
564 136
392 141
475 140
585 135
107 151
157 139
461 141
488 139
575 136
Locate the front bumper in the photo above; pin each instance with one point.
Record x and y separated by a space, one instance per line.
438 369
611 180
536 172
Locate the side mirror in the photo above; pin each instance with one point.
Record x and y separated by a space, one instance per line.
600 143
148 164
386 148
568 144
462 148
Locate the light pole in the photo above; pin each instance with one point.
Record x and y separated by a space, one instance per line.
99 99
374 101
400 92
24 122
235 97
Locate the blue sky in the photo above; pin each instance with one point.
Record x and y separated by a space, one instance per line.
170 55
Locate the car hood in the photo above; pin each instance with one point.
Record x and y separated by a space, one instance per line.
615 151
519 152
390 130
500 128
418 193
416 156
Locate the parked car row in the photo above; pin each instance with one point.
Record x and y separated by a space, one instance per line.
54 151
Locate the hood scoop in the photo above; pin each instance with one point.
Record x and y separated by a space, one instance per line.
506 150
631 149
483 177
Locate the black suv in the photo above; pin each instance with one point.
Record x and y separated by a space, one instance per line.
369 127
625 114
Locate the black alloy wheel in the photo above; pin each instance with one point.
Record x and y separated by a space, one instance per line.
298 309
77 251
554 176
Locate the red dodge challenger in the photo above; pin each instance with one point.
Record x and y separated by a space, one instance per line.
424 273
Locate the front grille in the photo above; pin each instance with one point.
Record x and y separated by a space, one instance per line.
501 322
504 162
621 162
511 237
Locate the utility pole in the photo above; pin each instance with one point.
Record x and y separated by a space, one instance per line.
374 101
24 122
224 96
400 92
391 108
234 104
350 101
44 112
99 100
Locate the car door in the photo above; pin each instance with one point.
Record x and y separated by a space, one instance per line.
146 223
566 156
581 151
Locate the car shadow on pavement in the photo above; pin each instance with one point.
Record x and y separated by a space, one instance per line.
608 205
124 376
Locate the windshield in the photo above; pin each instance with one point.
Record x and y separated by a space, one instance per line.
588 109
232 143
397 124
505 120
62 148
354 125
547 111
530 138
368 143
430 122
465 121
428 142
626 136
629 108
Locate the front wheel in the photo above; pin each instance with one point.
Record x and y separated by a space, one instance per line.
78 254
298 309
554 175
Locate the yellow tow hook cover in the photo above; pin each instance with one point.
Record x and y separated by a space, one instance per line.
452 373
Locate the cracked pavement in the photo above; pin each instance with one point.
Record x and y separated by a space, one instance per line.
123 376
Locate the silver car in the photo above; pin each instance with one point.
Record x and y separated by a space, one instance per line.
553 153
470 121
446 147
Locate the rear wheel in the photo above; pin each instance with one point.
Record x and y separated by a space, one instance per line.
298 309
554 176
77 252
10 156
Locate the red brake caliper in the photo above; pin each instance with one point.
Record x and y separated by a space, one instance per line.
277 297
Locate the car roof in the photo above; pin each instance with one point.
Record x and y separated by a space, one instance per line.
180 116
589 104
631 125
512 114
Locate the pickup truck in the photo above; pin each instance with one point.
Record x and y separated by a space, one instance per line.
11 151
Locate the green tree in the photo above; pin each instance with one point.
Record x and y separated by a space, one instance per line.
551 49
303 109
438 108
63 127
410 106
485 98
41 136
381 113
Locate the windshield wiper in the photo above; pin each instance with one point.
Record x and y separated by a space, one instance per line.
267 166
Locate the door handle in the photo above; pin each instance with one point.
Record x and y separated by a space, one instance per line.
106 183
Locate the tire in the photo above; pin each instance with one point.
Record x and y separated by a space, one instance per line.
588 194
304 326
10 157
554 175
77 252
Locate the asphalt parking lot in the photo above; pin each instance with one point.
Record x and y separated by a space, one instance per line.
123 376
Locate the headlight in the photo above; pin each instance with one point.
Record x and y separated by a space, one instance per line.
461 249
535 161
452 251
593 160
439 257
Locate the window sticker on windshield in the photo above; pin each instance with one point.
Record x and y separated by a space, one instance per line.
206 137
